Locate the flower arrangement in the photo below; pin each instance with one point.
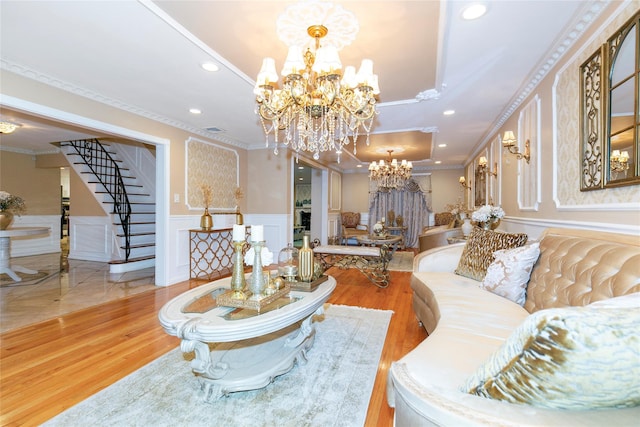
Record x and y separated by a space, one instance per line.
207 194
458 209
11 203
488 213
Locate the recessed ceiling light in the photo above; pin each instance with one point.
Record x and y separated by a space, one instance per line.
300 179
358 166
474 11
449 112
210 66
442 145
300 167
195 111
437 162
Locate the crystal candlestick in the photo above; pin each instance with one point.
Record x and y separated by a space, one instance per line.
257 283
238 282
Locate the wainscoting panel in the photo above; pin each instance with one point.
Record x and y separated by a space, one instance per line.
90 238
39 244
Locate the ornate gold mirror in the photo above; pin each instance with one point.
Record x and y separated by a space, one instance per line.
622 120
610 111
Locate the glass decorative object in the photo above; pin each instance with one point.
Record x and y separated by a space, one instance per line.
305 255
257 283
288 263
238 281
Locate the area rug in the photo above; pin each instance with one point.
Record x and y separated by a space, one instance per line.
332 389
401 261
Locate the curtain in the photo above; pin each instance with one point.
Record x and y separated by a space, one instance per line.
409 201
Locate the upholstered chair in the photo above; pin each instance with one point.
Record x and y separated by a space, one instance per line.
351 226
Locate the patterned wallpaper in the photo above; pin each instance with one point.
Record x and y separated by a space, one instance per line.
566 89
211 164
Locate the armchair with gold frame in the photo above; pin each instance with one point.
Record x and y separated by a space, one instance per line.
351 226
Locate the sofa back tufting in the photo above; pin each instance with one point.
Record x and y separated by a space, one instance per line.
578 267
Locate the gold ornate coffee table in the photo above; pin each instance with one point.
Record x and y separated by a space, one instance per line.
390 240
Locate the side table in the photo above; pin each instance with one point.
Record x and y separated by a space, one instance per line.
402 232
5 249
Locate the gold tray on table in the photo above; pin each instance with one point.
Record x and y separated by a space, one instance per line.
307 286
227 300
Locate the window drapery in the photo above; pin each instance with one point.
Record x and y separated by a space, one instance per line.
409 201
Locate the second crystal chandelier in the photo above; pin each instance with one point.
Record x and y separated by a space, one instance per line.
318 108
390 175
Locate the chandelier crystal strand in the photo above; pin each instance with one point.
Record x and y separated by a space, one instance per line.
318 109
390 175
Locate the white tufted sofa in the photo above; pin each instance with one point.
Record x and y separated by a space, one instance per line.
466 324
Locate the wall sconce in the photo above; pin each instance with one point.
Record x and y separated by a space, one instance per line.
463 182
509 142
482 167
619 161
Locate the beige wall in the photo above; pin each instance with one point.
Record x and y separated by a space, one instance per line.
355 192
39 187
269 182
446 189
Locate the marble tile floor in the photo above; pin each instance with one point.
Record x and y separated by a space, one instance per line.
68 285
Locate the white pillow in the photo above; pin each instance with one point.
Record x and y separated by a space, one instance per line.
566 358
509 273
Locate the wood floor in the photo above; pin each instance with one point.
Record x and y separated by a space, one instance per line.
48 367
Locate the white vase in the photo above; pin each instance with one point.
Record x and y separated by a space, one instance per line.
466 227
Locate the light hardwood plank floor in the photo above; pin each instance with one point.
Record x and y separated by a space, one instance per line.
52 365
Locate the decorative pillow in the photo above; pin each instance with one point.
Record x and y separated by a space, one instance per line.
443 218
509 273
566 358
477 254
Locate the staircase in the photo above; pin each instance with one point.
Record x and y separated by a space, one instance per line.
131 207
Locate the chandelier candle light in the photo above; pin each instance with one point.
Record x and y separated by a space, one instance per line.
318 108
390 174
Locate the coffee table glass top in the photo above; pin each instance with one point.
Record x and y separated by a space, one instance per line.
207 302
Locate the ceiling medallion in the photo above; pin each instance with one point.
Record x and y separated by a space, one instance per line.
318 107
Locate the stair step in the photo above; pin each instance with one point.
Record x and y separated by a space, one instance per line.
126 185
132 203
104 174
141 245
136 223
142 233
142 258
84 163
128 193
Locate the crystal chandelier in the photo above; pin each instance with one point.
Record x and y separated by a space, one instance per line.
8 127
318 108
390 174
619 162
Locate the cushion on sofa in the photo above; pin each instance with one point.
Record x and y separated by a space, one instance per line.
478 251
566 358
509 273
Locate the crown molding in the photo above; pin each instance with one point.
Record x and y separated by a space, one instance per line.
120 105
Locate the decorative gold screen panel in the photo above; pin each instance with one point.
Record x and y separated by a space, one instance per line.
215 166
591 122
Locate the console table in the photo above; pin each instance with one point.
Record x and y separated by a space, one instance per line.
211 253
5 249
261 344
